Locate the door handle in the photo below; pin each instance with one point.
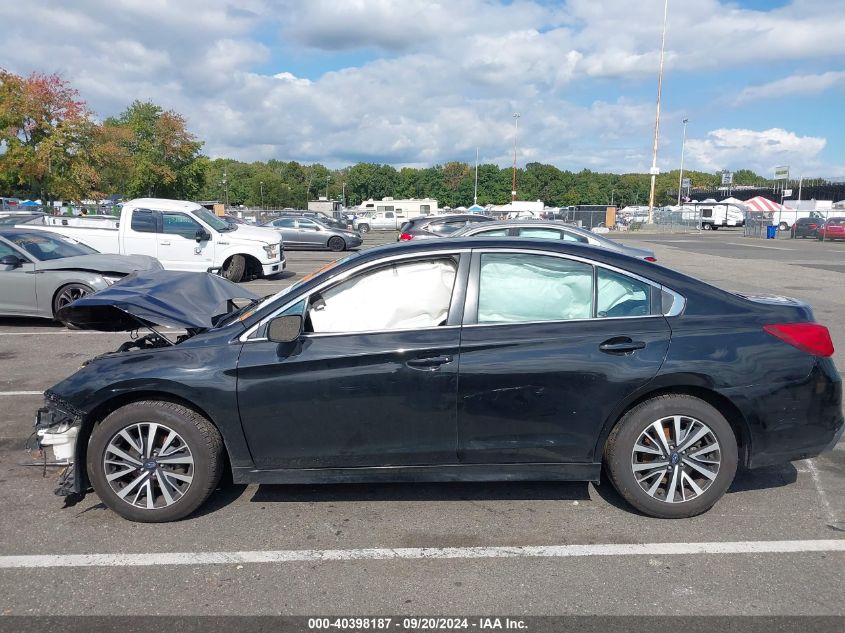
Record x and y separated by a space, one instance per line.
432 363
165 243
621 345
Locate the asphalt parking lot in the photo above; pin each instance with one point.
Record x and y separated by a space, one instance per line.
503 548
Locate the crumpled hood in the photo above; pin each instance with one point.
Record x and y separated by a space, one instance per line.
163 297
102 263
256 233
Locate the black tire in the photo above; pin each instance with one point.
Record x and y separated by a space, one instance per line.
364 228
620 447
783 226
336 244
706 226
201 436
234 268
66 295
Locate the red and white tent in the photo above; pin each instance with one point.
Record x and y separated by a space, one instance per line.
759 203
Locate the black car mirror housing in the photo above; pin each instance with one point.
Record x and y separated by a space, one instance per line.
10 260
202 236
285 329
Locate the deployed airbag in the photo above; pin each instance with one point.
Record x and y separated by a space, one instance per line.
162 297
402 296
518 288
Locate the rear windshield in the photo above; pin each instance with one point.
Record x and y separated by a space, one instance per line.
406 226
836 221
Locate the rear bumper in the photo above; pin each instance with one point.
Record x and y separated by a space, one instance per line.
793 421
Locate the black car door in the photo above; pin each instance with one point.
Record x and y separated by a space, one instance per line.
373 379
549 346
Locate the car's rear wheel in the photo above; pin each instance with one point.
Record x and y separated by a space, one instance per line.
672 456
707 226
234 268
364 228
783 226
68 294
337 244
154 461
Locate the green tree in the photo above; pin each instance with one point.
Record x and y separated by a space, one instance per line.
164 156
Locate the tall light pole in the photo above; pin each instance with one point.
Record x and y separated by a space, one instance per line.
226 188
654 170
262 194
327 186
343 195
515 132
475 190
681 175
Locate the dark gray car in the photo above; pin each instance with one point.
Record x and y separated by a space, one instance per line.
427 227
66 270
553 230
302 232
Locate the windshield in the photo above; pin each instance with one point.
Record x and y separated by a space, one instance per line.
217 223
45 246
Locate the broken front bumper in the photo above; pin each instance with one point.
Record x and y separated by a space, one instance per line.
57 425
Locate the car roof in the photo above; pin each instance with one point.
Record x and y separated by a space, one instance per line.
448 216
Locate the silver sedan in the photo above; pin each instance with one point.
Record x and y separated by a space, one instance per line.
553 230
66 270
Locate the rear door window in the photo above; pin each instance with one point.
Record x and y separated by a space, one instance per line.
143 221
521 288
621 296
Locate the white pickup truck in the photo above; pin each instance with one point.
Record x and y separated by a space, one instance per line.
182 235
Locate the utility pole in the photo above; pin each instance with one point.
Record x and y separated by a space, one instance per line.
262 194
654 170
681 176
515 133
226 189
343 195
327 186
475 191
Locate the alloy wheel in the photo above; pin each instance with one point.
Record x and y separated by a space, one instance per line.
70 294
148 465
676 459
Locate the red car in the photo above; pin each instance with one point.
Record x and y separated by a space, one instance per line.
833 229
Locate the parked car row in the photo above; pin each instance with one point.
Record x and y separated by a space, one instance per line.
829 229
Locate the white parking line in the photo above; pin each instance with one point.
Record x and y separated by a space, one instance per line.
771 248
418 553
21 393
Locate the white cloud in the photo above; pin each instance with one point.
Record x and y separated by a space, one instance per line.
446 75
793 85
758 150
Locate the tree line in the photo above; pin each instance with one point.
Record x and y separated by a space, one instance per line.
52 147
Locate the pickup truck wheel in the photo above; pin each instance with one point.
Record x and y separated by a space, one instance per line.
154 461
707 227
672 456
783 226
364 228
67 295
337 244
233 269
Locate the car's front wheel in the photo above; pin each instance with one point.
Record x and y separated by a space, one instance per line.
672 456
68 294
154 461
364 228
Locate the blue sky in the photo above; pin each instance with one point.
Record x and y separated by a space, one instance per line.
421 82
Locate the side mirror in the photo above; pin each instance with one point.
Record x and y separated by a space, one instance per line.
10 260
202 236
285 329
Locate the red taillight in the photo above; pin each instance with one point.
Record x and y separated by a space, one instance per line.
808 337
650 259
404 237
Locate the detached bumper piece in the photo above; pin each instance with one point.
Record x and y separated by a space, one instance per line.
57 426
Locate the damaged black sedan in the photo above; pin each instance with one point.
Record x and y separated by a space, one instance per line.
475 360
